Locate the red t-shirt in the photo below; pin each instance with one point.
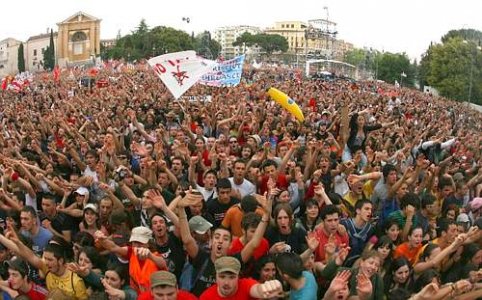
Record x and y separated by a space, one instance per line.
261 250
181 295
244 286
37 292
281 183
323 238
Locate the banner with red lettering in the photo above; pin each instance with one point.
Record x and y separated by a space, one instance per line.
180 70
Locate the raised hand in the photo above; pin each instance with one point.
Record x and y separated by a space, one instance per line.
342 254
364 286
340 281
312 241
82 271
156 198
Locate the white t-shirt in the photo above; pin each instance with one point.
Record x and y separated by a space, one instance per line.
245 188
207 194
88 172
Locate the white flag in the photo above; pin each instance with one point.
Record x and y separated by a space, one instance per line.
181 70
403 74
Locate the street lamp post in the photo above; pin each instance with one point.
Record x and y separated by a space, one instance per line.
188 21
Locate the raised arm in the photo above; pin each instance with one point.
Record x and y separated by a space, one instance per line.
188 241
249 248
110 245
422 266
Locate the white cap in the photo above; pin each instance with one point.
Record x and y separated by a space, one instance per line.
82 191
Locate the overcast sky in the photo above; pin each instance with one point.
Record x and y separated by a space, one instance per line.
396 26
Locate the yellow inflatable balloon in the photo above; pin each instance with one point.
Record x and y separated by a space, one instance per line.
287 103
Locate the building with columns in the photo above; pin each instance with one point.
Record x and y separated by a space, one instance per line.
78 40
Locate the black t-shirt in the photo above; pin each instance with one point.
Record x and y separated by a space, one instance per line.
61 222
208 277
296 239
173 254
218 210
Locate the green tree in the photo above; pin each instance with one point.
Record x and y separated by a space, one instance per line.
355 57
424 67
271 42
392 65
21 59
205 46
168 39
49 53
455 69
464 34
246 39
268 42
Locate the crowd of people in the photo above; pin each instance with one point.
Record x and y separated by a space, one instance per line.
121 192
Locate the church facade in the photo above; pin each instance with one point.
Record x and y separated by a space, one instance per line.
78 40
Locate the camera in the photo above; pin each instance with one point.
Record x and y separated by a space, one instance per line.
120 174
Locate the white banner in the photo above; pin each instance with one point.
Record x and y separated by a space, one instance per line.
181 70
225 73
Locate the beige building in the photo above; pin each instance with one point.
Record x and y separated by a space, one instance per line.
226 36
307 41
78 40
293 32
9 56
34 49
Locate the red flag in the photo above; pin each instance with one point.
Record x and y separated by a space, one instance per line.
93 71
4 83
56 73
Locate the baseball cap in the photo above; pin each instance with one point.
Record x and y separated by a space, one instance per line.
141 234
257 138
476 203
91 206
227 264
458 176
199 225
82 191
163 278
463 218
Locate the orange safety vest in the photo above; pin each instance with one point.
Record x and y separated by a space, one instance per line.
140 277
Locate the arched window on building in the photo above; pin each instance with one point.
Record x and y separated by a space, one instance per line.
79 40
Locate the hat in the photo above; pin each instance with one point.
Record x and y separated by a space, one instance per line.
227 264
476 203
256 138
141 234
458 176
19 265
90 206
163 278
463 218
325 112
82 191
199 225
